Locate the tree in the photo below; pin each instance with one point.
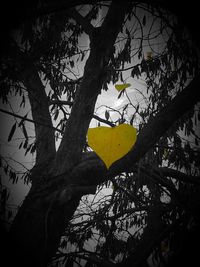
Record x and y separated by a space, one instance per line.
155 188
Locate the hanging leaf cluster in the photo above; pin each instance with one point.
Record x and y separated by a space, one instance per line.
119 58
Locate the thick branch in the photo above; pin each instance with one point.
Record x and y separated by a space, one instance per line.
158 125
61 102
102 44
23 118
147 137
153 234
180 176
86 25
45 143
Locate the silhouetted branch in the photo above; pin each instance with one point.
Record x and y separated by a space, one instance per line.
27 119
86 25
178 175
159 124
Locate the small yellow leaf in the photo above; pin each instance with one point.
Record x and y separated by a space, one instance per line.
121 87
149 55
111 144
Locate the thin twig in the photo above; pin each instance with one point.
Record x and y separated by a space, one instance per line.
26 119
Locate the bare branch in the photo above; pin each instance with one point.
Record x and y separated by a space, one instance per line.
104 121
69 103
178 175
102 43
87 26
27 119
60 102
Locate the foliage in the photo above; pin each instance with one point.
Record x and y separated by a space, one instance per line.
162 189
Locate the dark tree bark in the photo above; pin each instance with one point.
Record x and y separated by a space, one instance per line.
59 180
44 131
53 198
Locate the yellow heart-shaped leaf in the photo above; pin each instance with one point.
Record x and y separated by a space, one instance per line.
111 144
121 87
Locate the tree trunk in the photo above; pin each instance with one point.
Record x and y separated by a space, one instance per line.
41 220
38 226
56 185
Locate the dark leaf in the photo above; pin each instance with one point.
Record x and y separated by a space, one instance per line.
56 114
132 118
144 20
20 145
82 56
71 63
12 131
5 169
33 148
22 102
140 53
25 144
136 71
24 131
28 149
125 107
196 142
13 176
107 115
120 94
